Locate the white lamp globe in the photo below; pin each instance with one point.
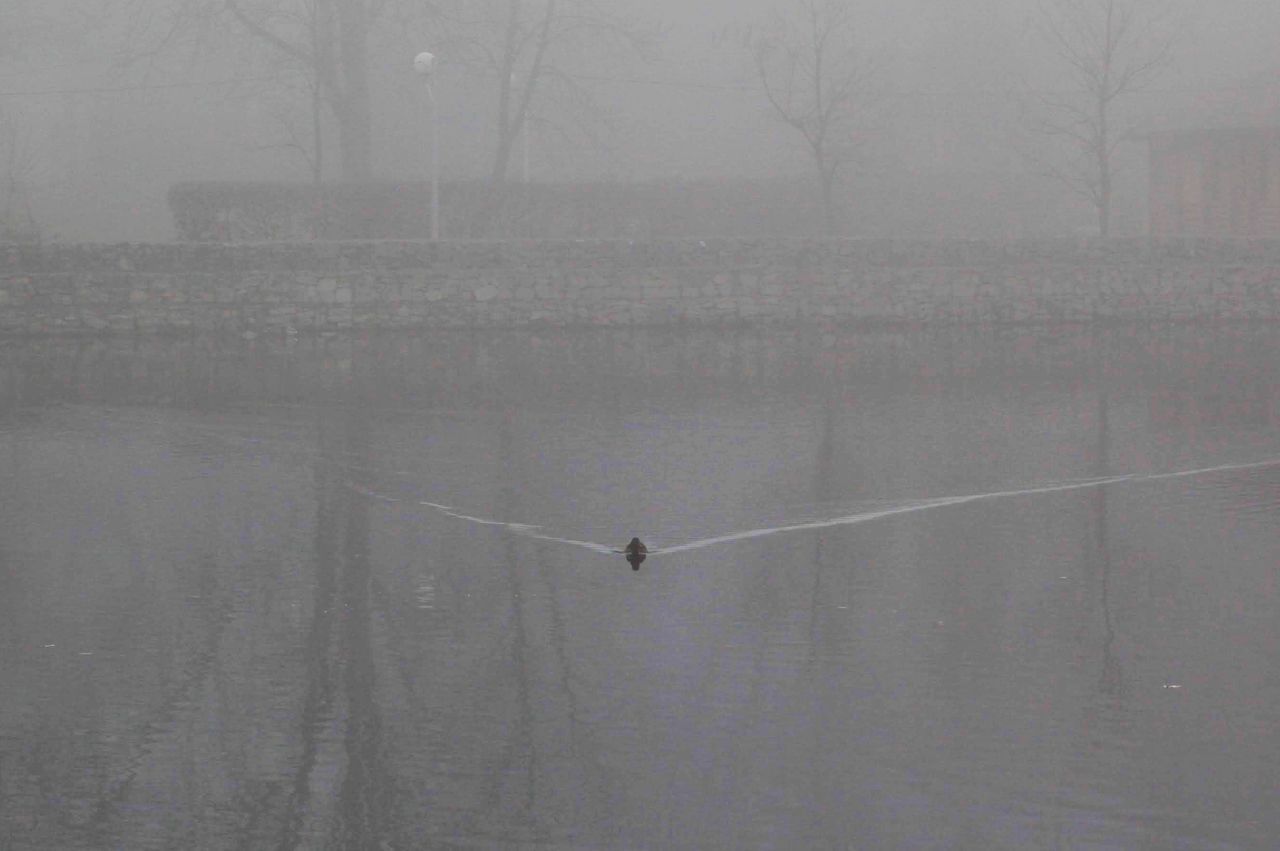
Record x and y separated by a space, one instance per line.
424 63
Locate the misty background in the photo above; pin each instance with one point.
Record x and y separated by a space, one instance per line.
105 104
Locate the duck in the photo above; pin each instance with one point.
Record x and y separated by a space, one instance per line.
636 553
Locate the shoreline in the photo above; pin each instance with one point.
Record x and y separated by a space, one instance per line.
258 289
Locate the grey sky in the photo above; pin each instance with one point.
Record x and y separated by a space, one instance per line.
689 120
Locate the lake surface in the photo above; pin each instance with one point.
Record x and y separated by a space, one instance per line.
941 590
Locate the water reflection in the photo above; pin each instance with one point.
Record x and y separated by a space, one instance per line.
284 648
620 365
366 792
1111 680
316 713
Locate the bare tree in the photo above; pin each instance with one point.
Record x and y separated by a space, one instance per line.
22 25
818 82
18 161
535 53
1110 48
329 41
299 115
311 52
326 40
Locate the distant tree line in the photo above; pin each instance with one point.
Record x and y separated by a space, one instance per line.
964 206
817 70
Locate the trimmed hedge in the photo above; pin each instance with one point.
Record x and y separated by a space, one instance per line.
255 212
920 206
250 212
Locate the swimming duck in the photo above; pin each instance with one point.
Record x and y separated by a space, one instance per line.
636 553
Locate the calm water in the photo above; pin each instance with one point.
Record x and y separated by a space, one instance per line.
261 596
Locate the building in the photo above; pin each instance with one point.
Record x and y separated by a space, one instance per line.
1220 182
1216 171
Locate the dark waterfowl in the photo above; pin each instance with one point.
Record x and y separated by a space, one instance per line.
636 553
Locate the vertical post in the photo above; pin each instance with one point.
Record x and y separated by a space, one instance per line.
526 149
528 204
435 165
424 63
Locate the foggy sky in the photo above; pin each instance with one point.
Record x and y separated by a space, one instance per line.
96 165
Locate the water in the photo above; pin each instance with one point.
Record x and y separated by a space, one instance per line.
945 590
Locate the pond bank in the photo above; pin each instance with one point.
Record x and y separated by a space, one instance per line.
306 287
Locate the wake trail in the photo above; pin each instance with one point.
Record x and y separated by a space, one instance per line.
942 502
535 532
524 530
287 438
866 517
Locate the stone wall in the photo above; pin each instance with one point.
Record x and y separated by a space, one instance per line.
272 287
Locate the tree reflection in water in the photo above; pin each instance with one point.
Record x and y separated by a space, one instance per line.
263 674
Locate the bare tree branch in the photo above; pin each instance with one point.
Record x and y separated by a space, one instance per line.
271 38
812 74
530 51
1110 49
326 40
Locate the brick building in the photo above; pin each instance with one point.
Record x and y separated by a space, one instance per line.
1216 171
1222 182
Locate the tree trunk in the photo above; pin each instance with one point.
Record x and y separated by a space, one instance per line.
1103 94
355 113
828 210
513 106
827 185
502 153
1104 206
1104 170
321 41
317 135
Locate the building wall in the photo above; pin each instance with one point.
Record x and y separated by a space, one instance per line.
1219 183
284 287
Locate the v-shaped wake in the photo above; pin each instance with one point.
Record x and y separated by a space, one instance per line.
536 533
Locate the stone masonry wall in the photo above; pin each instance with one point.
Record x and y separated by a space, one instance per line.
274 287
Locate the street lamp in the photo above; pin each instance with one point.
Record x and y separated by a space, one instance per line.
424 63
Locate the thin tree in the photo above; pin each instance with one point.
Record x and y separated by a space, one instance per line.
23 26
327 40
537 56
811 69
1110 49
17 216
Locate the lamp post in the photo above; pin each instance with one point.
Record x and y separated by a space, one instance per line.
424 63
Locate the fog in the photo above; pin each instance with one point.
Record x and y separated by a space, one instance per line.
953 588
105 105
619 516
